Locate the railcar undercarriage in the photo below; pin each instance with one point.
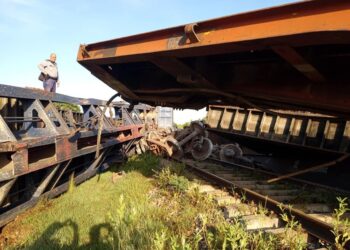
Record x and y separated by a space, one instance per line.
274 80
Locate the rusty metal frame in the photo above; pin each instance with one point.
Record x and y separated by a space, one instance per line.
280 31
299 63
282 21
38 144
335 146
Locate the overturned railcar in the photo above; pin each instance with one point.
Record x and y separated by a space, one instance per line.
274 80
276 85
288 57
45 138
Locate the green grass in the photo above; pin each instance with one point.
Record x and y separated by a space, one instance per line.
146 164
133 213
67 106
80 217
150 207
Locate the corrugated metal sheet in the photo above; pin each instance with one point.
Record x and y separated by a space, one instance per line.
165 117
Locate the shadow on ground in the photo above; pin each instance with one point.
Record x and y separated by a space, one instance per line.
101 237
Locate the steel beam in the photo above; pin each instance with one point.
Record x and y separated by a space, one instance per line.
10 215
57 119
241 50
182 73
58 178
6 135
33 94
35 136
5 189
281 21
299 63
41 188
48 129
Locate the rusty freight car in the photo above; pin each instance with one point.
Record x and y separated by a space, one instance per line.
293 56
276 86
42 143
276 76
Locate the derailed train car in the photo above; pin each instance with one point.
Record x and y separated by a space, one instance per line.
276 84
284 68
288 57
45 138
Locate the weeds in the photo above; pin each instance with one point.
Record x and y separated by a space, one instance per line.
262 210
243 197
133 225
341 227
293 233
138 212
263 241
160 239
167 179
71 184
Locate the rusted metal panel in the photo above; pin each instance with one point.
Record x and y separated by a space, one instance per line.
298 18
6 134
293 57
65 149
298 62
20 162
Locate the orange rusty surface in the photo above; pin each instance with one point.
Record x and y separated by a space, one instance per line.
298 18
293 56
66 150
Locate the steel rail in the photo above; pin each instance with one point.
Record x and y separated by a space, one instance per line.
313 226
293 179
309 169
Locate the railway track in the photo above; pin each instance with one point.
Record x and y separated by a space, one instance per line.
310 201
311 204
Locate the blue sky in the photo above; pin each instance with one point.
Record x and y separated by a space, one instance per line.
31 29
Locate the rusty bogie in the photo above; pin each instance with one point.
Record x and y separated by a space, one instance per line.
175 149
202 149
230 152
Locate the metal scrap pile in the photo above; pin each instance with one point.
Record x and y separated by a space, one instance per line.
192 140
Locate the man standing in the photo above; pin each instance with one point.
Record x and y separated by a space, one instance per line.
49 72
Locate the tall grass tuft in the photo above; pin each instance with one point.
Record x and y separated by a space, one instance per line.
341 227
71 183
168 179
293 234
